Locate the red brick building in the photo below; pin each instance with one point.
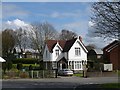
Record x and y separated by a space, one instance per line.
112 53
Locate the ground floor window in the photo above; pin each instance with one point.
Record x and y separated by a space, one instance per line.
54 65
77 64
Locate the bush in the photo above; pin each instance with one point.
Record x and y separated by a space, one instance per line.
25 60
9 65
30 67
24 75
19 66
4 67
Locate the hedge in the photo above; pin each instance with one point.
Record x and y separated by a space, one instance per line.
25 61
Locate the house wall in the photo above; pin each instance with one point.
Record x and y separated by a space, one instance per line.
49 55
115 58
71 53
74 60
54 57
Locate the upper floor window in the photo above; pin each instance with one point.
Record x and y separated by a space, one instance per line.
57 52
77 51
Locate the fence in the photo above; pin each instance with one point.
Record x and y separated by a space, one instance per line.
102 74
29 74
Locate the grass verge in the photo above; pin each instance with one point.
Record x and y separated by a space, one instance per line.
78 74
111 85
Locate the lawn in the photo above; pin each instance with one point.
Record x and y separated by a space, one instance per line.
111 85
78 74
118 72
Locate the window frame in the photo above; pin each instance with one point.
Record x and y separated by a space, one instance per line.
57 52
77 51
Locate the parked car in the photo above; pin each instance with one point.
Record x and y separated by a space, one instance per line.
65 72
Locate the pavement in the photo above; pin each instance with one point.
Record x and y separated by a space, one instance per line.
71 82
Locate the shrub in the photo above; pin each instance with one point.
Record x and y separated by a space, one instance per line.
24 75
9 65
25 60
30 67
19 66
4 67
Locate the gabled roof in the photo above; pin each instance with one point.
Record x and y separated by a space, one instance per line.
112 45
51 44
65 45
69 44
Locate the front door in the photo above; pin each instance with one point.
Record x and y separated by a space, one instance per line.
64 65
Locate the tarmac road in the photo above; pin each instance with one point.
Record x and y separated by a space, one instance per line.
72 83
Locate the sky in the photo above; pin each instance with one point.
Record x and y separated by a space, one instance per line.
74 16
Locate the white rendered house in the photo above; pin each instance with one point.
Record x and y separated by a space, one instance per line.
60 54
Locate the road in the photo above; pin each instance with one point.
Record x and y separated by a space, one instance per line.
62 82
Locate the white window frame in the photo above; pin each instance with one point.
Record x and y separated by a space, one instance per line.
57 52
77 51
78 65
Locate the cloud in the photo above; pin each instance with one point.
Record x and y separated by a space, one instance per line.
79 27
64 14
57 14
72 25
100 42
9 10
15 24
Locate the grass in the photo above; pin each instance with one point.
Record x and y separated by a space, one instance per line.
78 74
118 72
111 85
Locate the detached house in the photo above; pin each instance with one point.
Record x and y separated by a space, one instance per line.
60 54
112 54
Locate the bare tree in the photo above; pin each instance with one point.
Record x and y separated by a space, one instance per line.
49 31
106 19
66 35
36 37
39 33
21 39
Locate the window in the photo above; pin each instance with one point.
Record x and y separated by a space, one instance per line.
77 65
57 52
77 51
54 65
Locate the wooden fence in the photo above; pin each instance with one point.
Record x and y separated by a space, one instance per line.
29 74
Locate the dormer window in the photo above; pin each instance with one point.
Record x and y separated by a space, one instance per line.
77 51
57 52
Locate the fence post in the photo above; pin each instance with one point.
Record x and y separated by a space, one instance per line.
32 73
101 71
43 73
37 74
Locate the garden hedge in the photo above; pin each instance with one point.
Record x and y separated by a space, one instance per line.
25 61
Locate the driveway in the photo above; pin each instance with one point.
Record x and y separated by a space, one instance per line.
60 82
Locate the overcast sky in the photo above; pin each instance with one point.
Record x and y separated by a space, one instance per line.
74 16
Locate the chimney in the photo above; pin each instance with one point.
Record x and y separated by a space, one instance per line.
80 38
